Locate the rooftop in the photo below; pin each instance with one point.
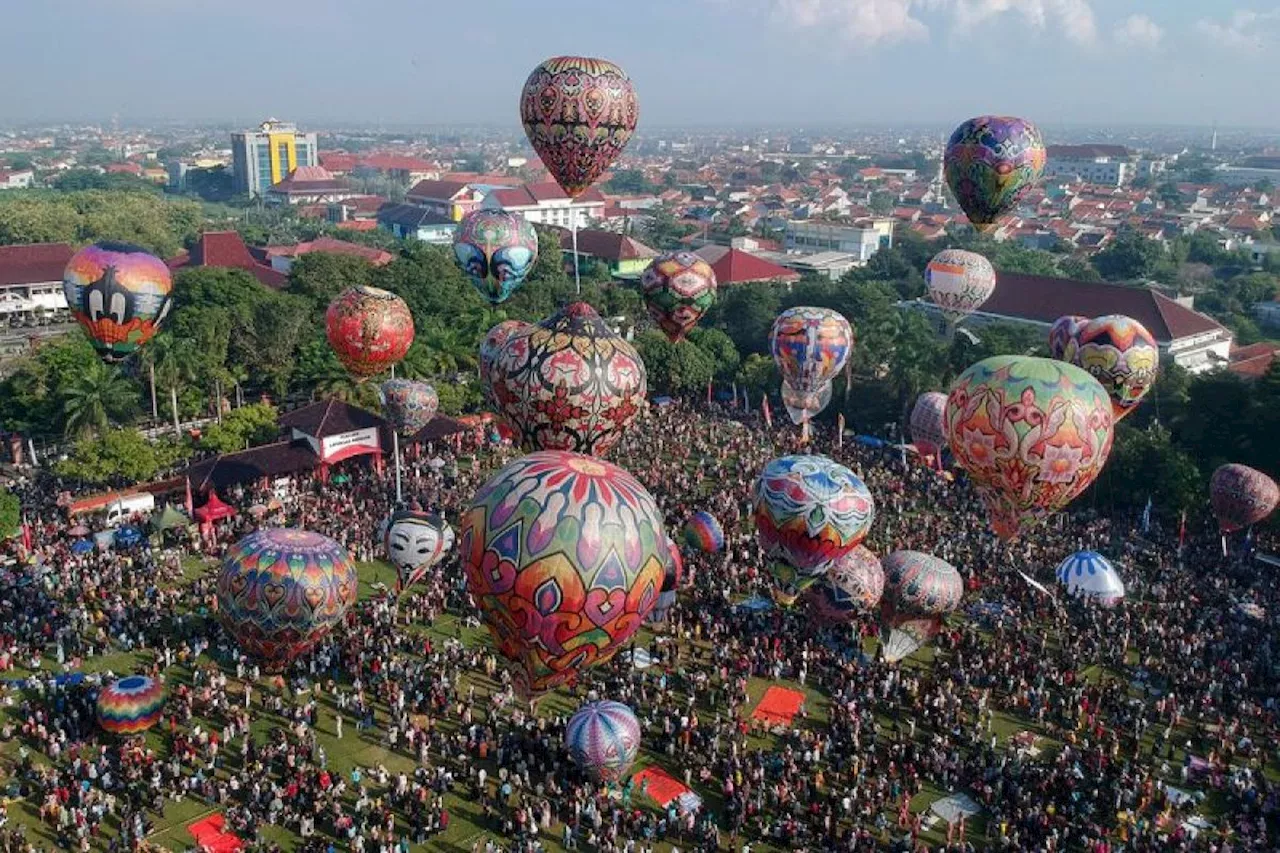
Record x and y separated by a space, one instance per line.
606 245
226 249
35 263
377 257
734 266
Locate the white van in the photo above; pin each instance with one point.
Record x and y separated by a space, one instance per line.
119 511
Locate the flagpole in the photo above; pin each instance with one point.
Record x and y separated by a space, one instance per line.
395 450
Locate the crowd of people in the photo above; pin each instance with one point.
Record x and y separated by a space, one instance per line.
1145 727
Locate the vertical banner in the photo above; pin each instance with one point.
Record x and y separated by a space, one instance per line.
764 408
840 430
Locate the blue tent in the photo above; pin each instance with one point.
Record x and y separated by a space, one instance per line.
869 441
662 401
81 546
127 537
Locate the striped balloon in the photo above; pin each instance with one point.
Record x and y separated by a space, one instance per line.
131 705
1088 574
703 532
603 739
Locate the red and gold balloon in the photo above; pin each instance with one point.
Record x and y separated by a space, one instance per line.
370 329
1241 496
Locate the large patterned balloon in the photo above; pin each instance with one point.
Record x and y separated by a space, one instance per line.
281 590
920 584
409 405
492 344
569 382
1088 574
1241 496
120 294
564 555
130 705
678 288
496 250
810 346
809 512
415 541
1031 433
926 422
1121 354
851 588
959 282
370 329
990 164
579 113
603 739
702 531
1062 337
803 406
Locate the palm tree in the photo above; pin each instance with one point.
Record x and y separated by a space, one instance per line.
96 398
445 351
340 385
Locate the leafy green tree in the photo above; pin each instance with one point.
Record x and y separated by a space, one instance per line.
244 427
321 276
1078 269
883 203
663 231
759 373
100 396
10 514
673 368
74 180
629 182
1130 258
1146 463
119 457
719 347
746 313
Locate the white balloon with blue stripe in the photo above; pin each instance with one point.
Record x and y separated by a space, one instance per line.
1088 574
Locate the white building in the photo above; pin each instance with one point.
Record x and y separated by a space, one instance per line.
861 239
547 204
264 157
1106 165
16 179
31 280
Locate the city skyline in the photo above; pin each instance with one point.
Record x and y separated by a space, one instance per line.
814 63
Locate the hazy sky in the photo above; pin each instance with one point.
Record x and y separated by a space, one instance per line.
693 61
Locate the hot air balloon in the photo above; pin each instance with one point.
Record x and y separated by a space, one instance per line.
810 346
1031 433
415 541
851 588
926 422
1241 496
130 705
564 555
702 531
492 344
568 383
809 512
678 288
1089 575
496 250
579 113
959 282
1062 337
1122 355
670 582
408 405
120 294
990 164
919 590
803 406
281 590
603 739
370 329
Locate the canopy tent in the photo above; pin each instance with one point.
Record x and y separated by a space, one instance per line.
214 509
171 518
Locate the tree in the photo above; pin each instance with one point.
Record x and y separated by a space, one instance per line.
73 180
746 313
473 162
629 182
321 276
1130 258
664 231
719 348
1146 463
100 396
882 203
759 373
673 368
244 427
10 514
119 457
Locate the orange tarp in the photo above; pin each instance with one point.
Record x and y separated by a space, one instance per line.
779 705
662 787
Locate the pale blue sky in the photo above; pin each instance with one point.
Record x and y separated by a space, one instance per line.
694 61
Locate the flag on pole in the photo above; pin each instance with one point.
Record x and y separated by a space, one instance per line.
1146 516
1182 531
190 504
708 392
840 430
764 408
735 395
26 535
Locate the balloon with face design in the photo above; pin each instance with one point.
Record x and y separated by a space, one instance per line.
119 294
415 541
496 250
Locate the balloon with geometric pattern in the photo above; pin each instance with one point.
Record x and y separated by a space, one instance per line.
130 705
1121 354
852 587
703 531
408 405
579 114
496 250
603 739
990 163
120 294
678 288
810 346
280 590
369 329
1241 496
926 422
1062 337
1031 433
564 555
959 282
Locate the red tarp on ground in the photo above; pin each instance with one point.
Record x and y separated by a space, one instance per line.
662 786
779 705
208 833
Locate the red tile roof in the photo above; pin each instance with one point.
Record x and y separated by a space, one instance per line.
35 263
437 190
734 266
307 180
338 161
532 195
396 162
358 225
1253 367
227 249
377 257
606 245
1033 297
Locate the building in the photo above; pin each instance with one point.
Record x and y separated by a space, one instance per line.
409 221
31 281
282 257
1186 337
1250 171
226 250
1108 165
861 239
264 157
734 266
547 204
1253 361
831 265
626 257
307 185
449 199
16 179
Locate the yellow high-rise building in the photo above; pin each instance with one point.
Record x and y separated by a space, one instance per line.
262 158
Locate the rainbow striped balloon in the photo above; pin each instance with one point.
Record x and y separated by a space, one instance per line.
703 532
131 705
603 739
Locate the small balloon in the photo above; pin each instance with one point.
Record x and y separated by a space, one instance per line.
1062 337
1241 496
959 282
603 739
409 405
810 346
926 422
496 250
1122 355
678 288
370 329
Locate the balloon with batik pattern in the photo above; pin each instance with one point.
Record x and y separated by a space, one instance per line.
1062 337
852 587
370 329
1241 496
496 250
1121 354
407 404
990 163
926 422
603 739
678 288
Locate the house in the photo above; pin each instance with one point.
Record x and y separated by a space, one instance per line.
282 257
310 185
1253 361
735 266
16 179
404 170
450 199
626 257
354 208
861 239
409 221
1186 337
547 204
31 281
226 249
